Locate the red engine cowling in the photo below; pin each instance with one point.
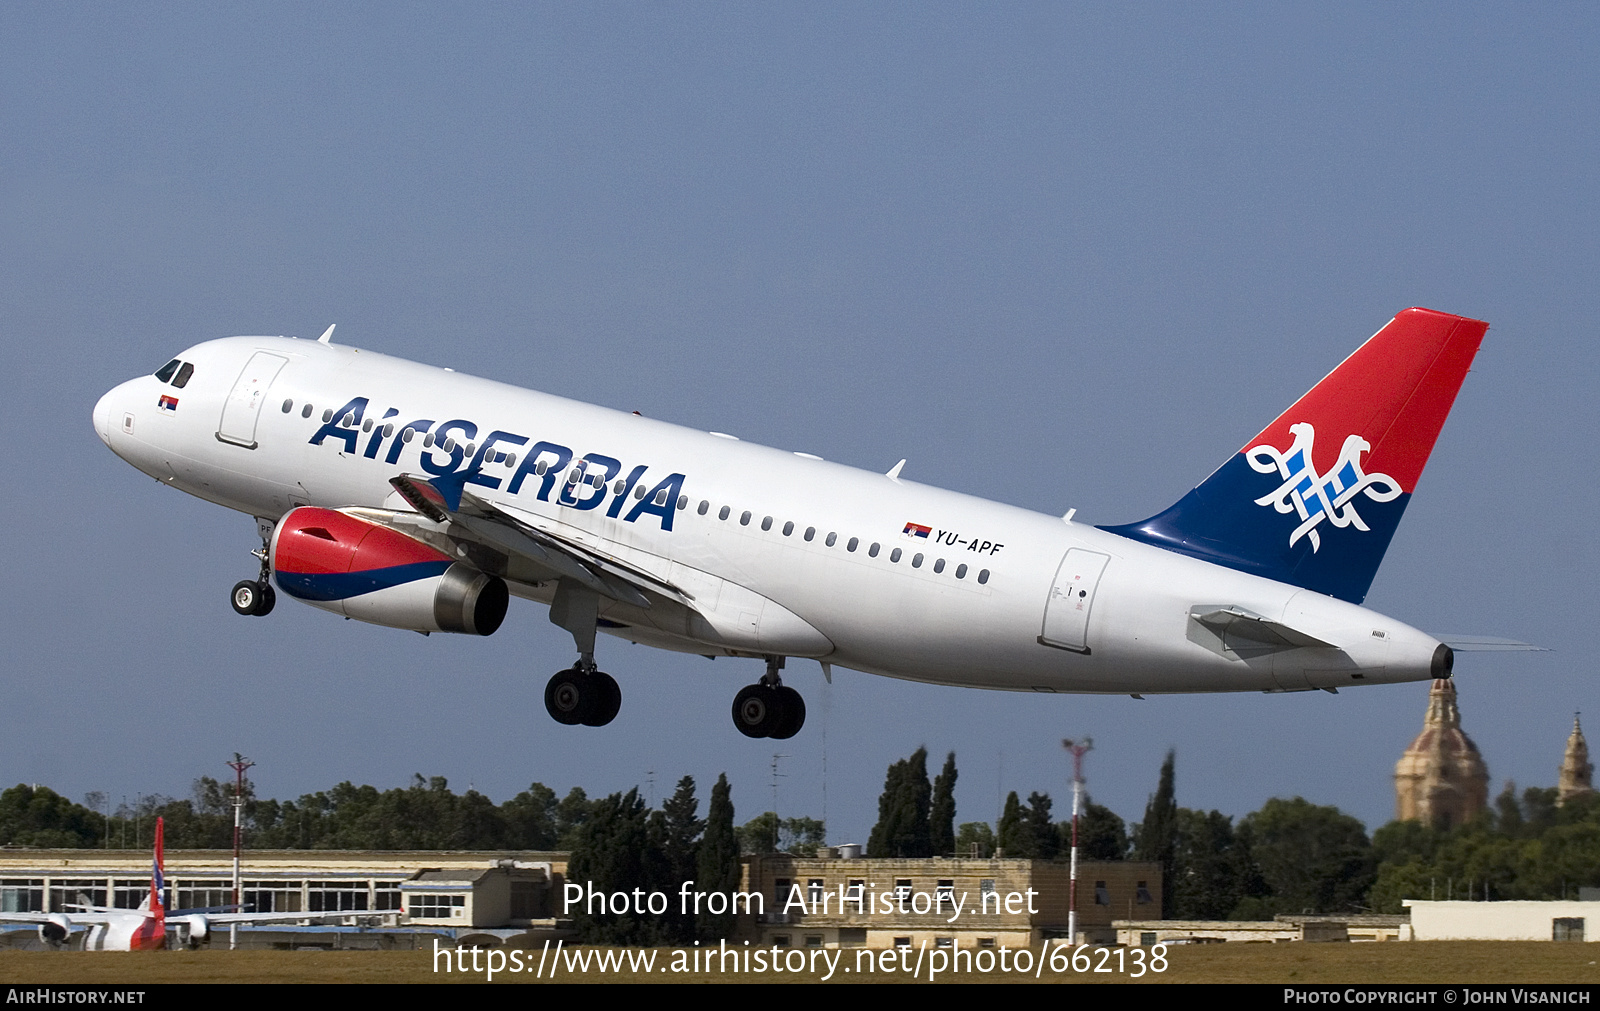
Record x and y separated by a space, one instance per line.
364 570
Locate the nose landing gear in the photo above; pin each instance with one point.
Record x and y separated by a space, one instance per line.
769 708
256 597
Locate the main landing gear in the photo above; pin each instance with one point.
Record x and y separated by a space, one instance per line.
256 596
769 708
582 694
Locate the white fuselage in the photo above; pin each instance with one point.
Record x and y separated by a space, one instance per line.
1113 616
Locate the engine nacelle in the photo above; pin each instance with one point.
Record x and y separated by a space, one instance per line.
363 570
195 929
55 930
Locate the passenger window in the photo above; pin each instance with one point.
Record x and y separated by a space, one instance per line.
832 538
165 372
509 458
661 497
723 514
288 405
327 416
983 575
916 560
683 502
872 552
617 488
366 426
744 520
811 532
407 433
182 378
788 528
766 524
539 469
388 430
427 442
638 491
854 542
704 505
894 556
961 571
939 565
305 412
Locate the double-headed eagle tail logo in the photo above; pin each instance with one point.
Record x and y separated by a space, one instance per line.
1320 497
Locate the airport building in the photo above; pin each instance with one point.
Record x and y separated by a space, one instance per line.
456 893
948 903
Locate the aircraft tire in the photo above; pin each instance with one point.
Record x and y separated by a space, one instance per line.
757 710
569 697
246 596
793 706
608 701
269 599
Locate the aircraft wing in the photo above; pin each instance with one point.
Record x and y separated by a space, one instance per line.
85 918
519 535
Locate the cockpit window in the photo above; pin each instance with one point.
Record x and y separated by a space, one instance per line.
167 370
182 378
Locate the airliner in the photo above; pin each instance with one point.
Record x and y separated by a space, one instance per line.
425 499
146 928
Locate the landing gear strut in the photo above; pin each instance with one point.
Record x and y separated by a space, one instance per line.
583 694
769 708
256 597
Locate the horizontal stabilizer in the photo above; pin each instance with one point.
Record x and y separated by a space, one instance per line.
1242 630
1488 644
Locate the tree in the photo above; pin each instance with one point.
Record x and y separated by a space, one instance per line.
975 839
1101 833
1155 837
902 829
1211 871
1311 859
1014 840
759 834
802 836
611 857
942 812
37 816
718 861
1046 837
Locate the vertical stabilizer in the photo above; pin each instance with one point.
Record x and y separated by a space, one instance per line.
1315 498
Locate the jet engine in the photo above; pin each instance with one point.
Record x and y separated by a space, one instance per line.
371 572
194 929
53 932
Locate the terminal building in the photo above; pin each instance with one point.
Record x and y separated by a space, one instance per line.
458 894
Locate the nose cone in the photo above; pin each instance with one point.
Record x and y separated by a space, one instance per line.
102 418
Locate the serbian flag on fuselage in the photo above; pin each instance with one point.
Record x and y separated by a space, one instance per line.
916 530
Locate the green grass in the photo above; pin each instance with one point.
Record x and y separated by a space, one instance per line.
1453 962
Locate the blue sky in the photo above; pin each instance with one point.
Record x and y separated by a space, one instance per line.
1064 256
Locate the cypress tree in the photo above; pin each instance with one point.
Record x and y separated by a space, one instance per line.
942 815
902 829
1046 839
1157 839
1014 839
718 861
